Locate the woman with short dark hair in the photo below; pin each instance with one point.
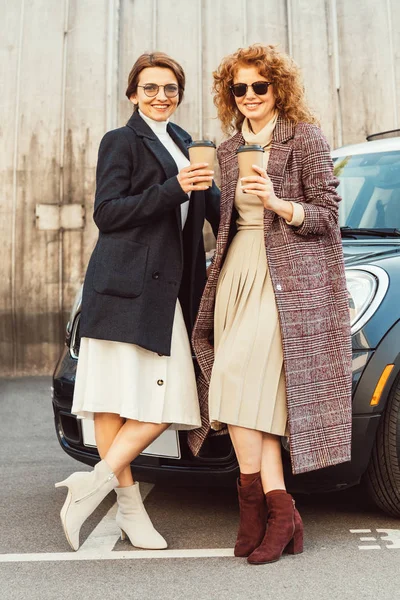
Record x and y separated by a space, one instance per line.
142 288
275 299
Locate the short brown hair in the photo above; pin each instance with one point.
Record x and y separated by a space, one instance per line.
278 67
155 59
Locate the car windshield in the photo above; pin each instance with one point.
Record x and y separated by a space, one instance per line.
370 190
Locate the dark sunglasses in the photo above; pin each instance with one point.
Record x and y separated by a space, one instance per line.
171 90
259 87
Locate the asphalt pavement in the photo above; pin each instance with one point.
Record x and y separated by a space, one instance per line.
352 550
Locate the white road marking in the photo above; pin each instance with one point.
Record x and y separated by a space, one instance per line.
100 544
366 539
393 536
106 555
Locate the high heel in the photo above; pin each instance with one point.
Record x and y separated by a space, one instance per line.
64 483
134 522
85 492
296 544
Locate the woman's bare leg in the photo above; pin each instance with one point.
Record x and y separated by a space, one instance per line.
132 438
271 463
248 445
106 427
258 451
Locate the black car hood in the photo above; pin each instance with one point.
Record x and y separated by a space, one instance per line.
359 251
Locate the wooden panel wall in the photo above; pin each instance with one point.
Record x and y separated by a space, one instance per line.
367 68
9 107
394 20
37 264
88 112
65 66
310 46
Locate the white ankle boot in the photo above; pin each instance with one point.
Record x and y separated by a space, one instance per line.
85 492
134 521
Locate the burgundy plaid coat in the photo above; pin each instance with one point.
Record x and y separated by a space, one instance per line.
307 272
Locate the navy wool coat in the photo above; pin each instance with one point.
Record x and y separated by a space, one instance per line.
143 261
307 271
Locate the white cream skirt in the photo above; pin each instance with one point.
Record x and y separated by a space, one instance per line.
125 379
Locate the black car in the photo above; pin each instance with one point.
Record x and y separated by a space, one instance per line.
370 222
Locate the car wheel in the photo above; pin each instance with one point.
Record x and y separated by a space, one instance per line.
383 474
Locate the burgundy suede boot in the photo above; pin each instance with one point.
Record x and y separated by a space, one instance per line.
282 532
253 517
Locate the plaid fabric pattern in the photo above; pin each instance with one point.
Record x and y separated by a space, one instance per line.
307 272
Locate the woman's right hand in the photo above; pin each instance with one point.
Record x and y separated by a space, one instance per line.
195 177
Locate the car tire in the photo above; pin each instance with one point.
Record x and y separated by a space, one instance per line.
383 474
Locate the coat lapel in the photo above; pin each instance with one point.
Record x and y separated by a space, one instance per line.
280 152
181 141
152 142
160 153
229 174
196 206
277 162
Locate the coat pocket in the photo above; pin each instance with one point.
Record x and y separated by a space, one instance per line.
120 267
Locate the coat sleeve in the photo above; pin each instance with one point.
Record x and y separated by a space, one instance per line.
114 208
212 207
321 201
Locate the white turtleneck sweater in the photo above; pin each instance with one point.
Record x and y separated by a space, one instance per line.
160 129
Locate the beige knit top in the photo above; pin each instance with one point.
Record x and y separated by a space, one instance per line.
264 138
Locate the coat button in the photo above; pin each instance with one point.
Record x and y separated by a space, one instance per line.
160 382
156 275
279 287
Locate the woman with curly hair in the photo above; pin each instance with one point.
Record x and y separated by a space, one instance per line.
275 301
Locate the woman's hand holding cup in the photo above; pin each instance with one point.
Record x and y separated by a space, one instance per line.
201 156
195 177
261 186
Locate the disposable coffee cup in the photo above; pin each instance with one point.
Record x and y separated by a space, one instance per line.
253 154
202 151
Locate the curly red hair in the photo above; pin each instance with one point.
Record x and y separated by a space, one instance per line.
277 67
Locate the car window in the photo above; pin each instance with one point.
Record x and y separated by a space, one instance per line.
370 189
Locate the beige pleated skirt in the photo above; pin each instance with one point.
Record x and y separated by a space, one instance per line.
127 380
247 383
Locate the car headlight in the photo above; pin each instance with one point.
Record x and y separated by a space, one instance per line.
75 343
75 307
367 286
